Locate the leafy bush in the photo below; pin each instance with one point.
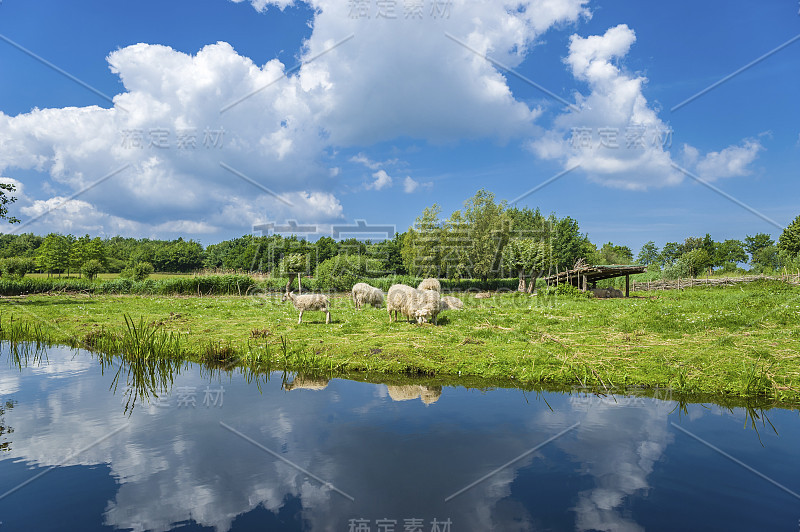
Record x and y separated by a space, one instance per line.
564 290
17 267
91 268
340 273
138 272
681 268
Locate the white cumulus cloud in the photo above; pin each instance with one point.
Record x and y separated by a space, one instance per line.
381 180
733 161
614 135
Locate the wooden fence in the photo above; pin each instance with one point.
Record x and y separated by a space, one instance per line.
679 284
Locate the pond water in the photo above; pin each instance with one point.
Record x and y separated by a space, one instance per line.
226 452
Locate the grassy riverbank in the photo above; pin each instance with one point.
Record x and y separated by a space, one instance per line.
740 341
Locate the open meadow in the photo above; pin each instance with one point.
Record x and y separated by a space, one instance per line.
740 342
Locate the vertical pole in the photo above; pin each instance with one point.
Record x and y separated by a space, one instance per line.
627 285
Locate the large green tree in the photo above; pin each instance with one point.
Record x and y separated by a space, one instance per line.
613 254
648 254
754 244
421 245
789 240
524 256
53 254
488 228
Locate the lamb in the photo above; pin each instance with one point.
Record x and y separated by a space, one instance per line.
423 305
364 294
451 303
309 302
430 284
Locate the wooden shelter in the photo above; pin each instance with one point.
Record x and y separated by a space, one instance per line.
585 276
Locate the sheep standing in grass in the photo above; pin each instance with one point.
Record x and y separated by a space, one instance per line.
430 284
364 294
422 305
309 302
451 303
396 300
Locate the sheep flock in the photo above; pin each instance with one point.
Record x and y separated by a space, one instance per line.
422 304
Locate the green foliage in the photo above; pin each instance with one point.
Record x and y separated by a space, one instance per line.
648 254
24 245
524 256
91 268
730 251
613 254
568 243
137 272
755 244
670 253
679 269
766 260
340 273
5 200
53 255
564 290
17 267
483 232
698 260
421 250
789 240
294 263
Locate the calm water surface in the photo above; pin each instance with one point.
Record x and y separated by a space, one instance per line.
216 452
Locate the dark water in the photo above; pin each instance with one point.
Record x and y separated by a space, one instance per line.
218 452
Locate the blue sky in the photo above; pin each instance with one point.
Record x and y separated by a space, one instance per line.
389 115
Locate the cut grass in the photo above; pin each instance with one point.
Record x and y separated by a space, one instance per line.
726 342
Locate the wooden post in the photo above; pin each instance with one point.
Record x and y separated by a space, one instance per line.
584 283
627 285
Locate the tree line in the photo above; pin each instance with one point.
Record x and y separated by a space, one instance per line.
486 239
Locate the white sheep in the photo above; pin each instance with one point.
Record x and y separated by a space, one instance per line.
451 303
364 294
423 305
430 284
396 300
309 302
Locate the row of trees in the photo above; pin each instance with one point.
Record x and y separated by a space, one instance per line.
696 255
486 239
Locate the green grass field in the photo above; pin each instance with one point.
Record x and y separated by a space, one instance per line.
735 342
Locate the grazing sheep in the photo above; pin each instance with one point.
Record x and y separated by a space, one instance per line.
309 302
423 305
430 284
427 306
451 303
364 294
